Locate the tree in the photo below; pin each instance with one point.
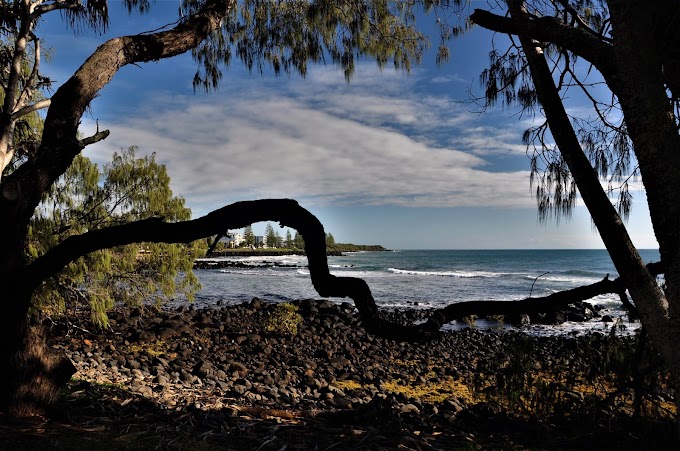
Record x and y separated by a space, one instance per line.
277 239
281 35
248 235
270 236
85 199
299 241
632 45
289 240
330 241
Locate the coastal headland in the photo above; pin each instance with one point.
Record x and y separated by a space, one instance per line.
334 250
217 259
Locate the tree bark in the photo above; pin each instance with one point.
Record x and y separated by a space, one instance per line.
634 73
59 143
31 374
653 129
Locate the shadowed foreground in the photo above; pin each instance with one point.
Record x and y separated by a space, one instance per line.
218 379
109 418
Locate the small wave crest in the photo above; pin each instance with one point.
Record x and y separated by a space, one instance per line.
566 278
460 274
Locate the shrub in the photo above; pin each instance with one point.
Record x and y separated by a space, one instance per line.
284 319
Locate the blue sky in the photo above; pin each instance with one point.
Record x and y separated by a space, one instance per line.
397 159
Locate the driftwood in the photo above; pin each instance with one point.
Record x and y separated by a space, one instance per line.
289 213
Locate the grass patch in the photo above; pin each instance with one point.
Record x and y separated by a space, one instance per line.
432 392
283 319
155 349
348 384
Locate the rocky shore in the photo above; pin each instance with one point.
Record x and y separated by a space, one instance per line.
228 360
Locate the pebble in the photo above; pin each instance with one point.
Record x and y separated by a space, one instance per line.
220 354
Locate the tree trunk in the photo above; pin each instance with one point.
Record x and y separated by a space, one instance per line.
653 130
33 374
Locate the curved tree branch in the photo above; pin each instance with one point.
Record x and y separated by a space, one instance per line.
59 142
28 109
549 29
286 212
290 213
99 136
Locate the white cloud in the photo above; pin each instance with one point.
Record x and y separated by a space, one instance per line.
325 146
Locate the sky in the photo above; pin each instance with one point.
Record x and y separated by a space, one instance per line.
400 159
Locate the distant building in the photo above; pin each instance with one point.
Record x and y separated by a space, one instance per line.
260 241
234 239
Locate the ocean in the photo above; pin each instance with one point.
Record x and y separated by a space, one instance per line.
423 278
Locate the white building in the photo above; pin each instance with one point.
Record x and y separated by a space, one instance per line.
234 239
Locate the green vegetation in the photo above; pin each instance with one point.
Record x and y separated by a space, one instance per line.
249 236
283 319
349 247
270 236
273 243
629 379
86 198
155 349
298 241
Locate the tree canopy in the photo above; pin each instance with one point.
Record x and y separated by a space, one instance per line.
86 199
629 48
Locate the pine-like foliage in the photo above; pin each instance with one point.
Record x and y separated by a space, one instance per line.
87 198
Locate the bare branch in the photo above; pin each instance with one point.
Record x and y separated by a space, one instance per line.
286 212
28 109
99 136
27 92
549 29
60 144
543 304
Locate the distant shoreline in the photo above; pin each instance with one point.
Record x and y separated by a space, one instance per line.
336 250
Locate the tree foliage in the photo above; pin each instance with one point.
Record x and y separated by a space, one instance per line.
285 36
603 133
86 199
270 235
298 241
621 56
249 236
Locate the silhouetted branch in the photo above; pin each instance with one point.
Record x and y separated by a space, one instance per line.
549 29
99 136
543 304
238 215
289 213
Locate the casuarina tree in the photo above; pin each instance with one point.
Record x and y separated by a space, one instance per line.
623 58
282 35
86 198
